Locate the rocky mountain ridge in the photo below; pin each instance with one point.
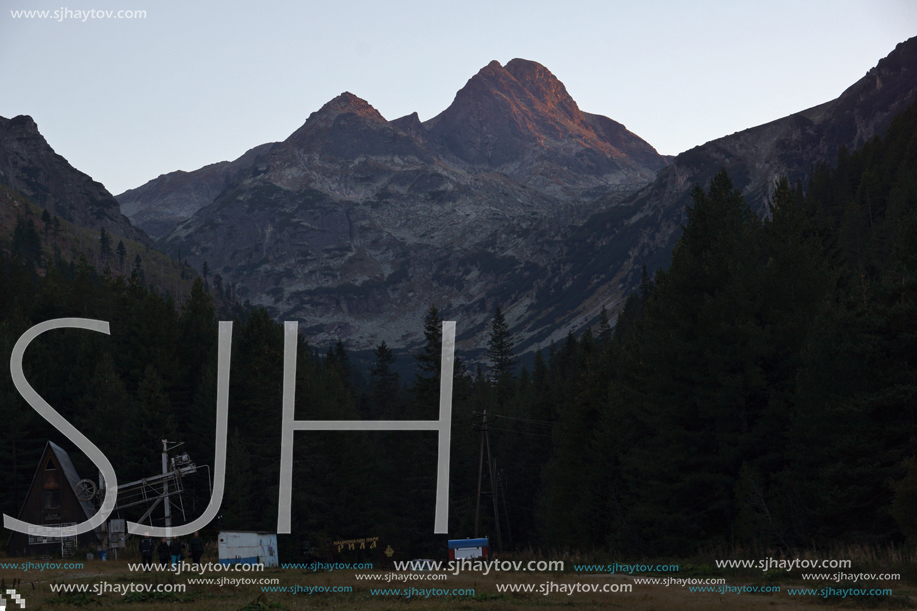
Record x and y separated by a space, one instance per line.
30 166
511 196
789 146
520 120
356 224
495 124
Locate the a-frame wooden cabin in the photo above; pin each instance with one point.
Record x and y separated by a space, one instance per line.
52 501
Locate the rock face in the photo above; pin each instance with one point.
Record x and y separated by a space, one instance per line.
355 224
519 120
755 158
164 202
511 196
29 165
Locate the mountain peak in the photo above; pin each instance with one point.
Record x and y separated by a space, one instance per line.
346 103
29 165
492 77
410 124
343 108
546 88
502 111
24 121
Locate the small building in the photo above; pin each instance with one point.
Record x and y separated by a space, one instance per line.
246 547
52 504
468 548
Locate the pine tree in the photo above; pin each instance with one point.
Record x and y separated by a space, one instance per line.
237 506
122 253
27 242
108 387
855 426
155 420
500 352
701 387
500 348
108 414
604 326
646 285
46 219
429 361
137 274
384 380
340 360
104 245
197 348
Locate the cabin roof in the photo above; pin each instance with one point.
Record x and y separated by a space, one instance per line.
70 474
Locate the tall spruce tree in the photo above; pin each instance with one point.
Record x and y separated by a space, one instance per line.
384 380
27 242
500 353
122 253
500 348
700 377
429 362
104 245
604 326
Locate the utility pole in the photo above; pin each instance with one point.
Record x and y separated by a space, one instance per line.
477 510
501 480
491 468
165 482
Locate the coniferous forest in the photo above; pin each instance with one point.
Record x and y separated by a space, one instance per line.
761 389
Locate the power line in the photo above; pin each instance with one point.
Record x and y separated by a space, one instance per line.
490 428
544 422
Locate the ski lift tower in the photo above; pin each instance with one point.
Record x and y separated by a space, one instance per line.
150 491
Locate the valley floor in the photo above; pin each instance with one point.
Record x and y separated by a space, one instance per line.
113 585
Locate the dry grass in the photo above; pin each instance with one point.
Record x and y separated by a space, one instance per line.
873 559
35 586
864 558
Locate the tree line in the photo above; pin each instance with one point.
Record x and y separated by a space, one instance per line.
761 389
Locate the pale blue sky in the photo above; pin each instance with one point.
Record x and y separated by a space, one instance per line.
195 83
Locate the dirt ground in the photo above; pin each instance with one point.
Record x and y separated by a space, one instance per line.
106 583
